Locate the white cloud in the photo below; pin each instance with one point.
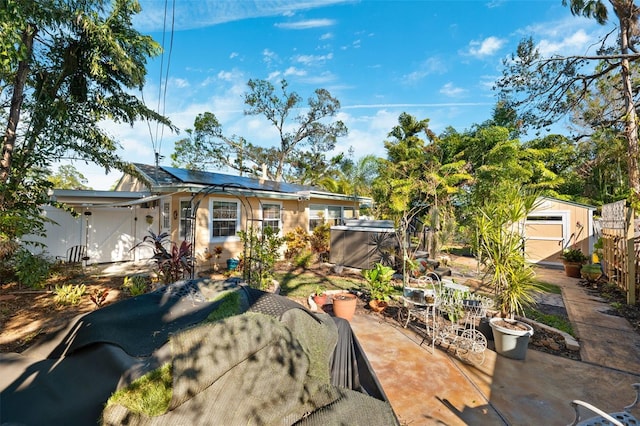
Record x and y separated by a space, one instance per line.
429 66
451 91
575 43
269 56
180 83
225 75
274 75
206 13
571 35
487 47
313 59
326 36
234 55
304 25
295 72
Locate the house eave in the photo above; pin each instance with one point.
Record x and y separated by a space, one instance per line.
94 197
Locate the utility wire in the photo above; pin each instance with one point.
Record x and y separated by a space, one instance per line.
164 95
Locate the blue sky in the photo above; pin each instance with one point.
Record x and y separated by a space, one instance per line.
432 59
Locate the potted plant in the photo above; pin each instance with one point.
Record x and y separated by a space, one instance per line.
344 305
319 296
573 259
500 243
591 272
379 284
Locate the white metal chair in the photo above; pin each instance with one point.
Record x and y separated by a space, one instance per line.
621 418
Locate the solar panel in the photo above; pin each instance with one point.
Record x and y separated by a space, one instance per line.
231 181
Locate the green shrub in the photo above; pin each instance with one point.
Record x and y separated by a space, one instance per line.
31 270
263 249
297 241
379 281
320 238
303 259
135 285
69 294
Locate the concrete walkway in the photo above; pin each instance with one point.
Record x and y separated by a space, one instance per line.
605 340
428 387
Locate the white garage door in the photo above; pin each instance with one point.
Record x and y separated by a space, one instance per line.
545 234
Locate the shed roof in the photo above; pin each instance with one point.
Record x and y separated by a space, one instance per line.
571 203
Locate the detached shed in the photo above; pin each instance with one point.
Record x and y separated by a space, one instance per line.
554 225
362 243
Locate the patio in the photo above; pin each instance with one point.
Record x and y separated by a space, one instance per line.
427 388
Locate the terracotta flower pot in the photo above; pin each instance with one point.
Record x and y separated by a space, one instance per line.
572 269
377 305
320 301
344 305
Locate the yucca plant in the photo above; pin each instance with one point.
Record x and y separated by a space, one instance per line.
501 245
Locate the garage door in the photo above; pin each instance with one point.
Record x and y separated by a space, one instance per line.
545 235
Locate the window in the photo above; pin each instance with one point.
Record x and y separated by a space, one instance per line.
186 222
316 216
271 216
225 218
166 215
333 215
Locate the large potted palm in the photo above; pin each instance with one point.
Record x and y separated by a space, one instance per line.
500 242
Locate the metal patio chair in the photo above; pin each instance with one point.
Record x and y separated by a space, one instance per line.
620 418
76 255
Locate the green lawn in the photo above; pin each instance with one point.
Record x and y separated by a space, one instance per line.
301 283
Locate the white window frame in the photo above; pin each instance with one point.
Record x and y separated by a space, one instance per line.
165 215
228 238
325 214
272 203
182 232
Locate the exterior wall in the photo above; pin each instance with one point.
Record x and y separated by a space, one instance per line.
555 225
111 232
293 213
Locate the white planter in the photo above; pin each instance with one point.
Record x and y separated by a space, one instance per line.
511 343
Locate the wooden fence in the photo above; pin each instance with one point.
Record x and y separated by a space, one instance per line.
621 248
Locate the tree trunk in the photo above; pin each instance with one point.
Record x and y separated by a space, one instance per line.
627 19
8 144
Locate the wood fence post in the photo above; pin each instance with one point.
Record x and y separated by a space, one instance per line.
630 279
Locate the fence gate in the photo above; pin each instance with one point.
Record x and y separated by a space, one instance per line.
620 249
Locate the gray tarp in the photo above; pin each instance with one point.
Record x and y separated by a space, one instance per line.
277 363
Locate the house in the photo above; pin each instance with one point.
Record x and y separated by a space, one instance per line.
206 208
557 224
